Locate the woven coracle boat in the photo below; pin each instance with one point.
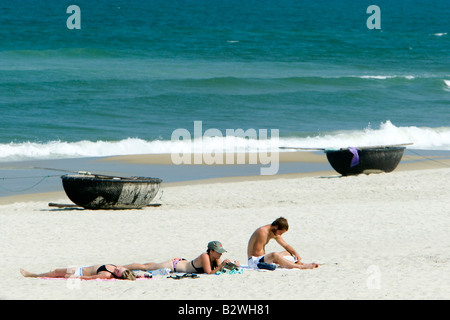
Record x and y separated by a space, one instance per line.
352 161
109 192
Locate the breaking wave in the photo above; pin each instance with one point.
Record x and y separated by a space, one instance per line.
386 134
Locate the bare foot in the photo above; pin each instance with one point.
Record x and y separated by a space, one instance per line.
310 266
25 273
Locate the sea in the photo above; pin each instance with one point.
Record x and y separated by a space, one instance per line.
117 77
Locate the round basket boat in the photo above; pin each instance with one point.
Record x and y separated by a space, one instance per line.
371 160
108 192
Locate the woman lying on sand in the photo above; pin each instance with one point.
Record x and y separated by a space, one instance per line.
106 271
208 262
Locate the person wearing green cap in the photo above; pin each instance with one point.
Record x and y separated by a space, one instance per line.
208 262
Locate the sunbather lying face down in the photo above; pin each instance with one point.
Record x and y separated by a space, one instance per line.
208 262
106 271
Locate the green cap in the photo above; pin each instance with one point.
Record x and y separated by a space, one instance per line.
216 246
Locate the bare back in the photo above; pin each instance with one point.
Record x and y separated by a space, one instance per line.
258 240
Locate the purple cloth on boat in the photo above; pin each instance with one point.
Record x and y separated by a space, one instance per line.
355 159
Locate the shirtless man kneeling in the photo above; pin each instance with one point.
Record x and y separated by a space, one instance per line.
256 247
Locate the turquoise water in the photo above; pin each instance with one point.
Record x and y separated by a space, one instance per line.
138 70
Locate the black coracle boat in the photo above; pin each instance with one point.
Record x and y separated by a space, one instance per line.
110 192
352 161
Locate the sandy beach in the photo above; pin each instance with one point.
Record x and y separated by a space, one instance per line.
378 236
237 108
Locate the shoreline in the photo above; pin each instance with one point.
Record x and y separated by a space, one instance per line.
304 161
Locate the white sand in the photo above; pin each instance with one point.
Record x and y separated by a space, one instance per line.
383 236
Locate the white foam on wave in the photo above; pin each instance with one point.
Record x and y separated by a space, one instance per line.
381 77
447 84
60 149
386 134
79 149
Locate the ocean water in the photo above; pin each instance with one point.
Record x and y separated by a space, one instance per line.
138 70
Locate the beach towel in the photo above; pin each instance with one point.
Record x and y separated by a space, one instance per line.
234 271
112 279
140 275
